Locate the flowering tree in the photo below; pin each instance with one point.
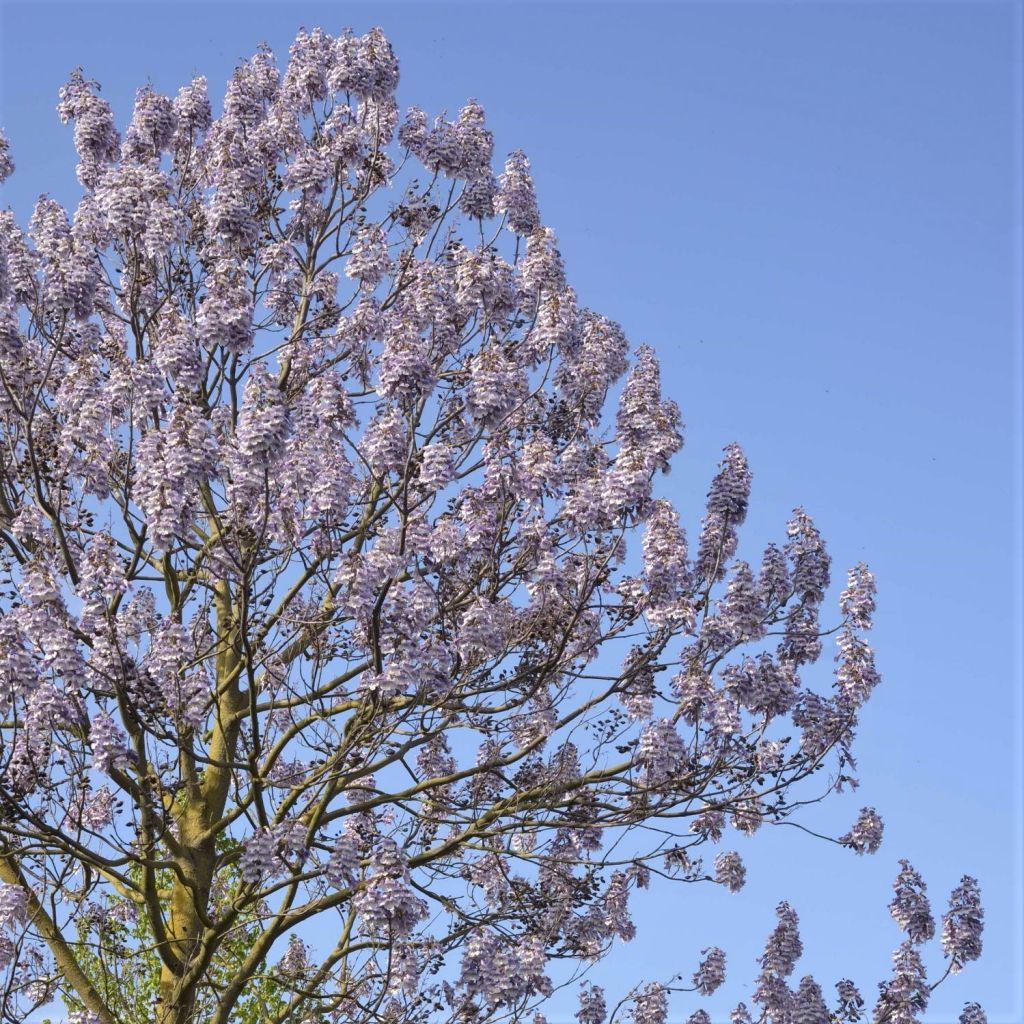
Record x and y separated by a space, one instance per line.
339 611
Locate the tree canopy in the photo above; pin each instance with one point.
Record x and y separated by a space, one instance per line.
338 599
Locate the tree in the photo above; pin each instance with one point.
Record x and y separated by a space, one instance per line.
318 613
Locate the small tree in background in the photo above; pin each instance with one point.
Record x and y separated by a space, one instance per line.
350 669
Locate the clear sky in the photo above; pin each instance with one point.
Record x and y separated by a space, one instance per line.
812 212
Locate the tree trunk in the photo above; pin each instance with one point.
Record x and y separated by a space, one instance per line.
185 925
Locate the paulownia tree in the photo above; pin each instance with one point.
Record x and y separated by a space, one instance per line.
350 668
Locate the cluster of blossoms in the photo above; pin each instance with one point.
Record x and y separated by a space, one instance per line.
326 507
711 973
13 913
901 999
866 834
906 995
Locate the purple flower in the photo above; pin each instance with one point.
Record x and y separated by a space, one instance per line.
226 312
809 1003
593 1009
343 864
784 947
730 871
616 908
369 261
710 974
666 572
154 122
6 163
295 960
866 834
660 752
741 613
910 907
13 906
726 510
386 903
96 139
260 857
973 1014
856 675
903 998
364 65
650 1006
97 811
516 197
503 970
851 1002
107 741
773 581
857 601
192 113
808 557
101 579
962 924
764 686
263 421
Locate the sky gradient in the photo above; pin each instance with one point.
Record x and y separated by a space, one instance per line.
812 212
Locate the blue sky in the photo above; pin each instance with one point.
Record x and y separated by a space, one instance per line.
812 212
